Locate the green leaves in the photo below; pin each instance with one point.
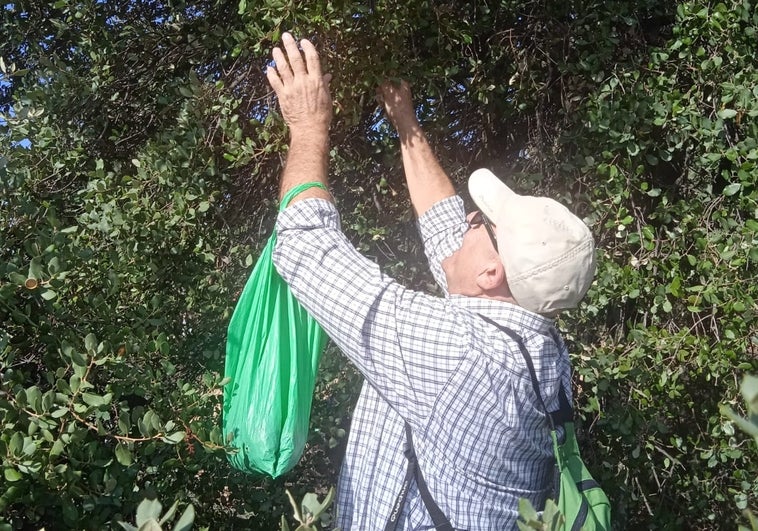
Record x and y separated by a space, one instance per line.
11 475
309 513
551 519
130 224
148 517
96 400
732 189
175 438
123 454
727 113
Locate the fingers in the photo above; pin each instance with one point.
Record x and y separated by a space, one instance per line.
389 88
392 95
404 89
281 66
312 61
293 54
273 79
291 65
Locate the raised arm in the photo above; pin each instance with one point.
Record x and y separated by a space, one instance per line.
427 181
306 104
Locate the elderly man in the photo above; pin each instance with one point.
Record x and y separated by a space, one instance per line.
439 371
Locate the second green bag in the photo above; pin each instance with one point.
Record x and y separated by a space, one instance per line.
580 499
272 354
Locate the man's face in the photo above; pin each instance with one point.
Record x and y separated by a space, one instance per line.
478 249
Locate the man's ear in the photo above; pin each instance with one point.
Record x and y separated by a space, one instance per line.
492 276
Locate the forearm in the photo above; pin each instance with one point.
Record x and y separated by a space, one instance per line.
307 161
427 181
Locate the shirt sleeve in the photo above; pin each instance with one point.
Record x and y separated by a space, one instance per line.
442 228
405 343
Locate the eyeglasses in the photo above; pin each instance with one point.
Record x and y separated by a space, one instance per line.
480 219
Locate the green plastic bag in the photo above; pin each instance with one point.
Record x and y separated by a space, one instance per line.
272 353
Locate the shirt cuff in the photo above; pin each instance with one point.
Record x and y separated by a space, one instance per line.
442 227
311 213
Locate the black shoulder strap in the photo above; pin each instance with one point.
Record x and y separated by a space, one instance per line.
441 523
565 412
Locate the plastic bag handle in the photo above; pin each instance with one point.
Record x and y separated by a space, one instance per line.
296 190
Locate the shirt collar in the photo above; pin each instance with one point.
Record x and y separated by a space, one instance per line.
505 313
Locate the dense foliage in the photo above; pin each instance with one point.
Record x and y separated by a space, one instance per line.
139 160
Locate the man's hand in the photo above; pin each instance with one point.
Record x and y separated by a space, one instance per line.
398 104
302 90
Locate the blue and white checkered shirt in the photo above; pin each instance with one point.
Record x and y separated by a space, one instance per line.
481 439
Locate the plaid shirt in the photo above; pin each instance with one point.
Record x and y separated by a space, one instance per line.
462 385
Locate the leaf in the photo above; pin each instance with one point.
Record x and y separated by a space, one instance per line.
34 398
93 400
124 423
57 448
745 425
313 506
48 294
185 522
90 342
727 113
749 390
123 454
732 189
152 421
169 514
175 438
60 412
295 507
74 382
148 510
35 269
17 278
11 474
310 505
30 446
526 510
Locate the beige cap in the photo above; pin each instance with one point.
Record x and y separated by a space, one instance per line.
548 252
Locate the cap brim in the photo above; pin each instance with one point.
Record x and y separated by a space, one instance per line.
489 193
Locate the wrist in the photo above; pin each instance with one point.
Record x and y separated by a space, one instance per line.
410 131
405 121
313 136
